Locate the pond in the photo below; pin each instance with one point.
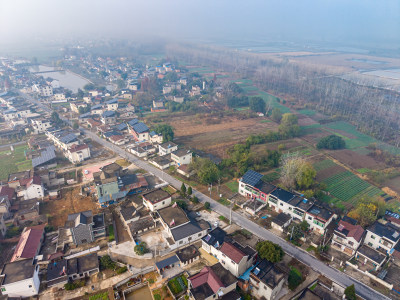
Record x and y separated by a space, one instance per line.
67 79
142 293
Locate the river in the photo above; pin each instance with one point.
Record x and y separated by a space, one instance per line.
67 78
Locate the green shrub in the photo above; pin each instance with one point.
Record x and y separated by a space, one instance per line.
107 263
295 278
122 270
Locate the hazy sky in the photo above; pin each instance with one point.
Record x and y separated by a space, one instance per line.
374 22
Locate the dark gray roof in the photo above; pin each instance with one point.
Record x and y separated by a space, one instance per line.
281 219
187 253
265 271
283 195
17 271
320 212
185 230
168 145
98 221
167 262
121 126
371 254
265 187
133 122
156 195
47 155
140 127
88 262
215 236
55 270
108 114
83 217
128 211
141 224
387 230
69 138
251 177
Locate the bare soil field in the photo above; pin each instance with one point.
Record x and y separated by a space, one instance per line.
70 202
215 136
356 160
329 172
314 137
305 121
393 184
289 144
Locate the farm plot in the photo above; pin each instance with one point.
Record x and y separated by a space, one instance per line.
356 160
14 161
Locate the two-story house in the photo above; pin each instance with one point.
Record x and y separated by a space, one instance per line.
214 240
40 126
78 153
140 131
85 227
156 199
252 186
347 236
167 148
236 258
112 104
383 237
62 139
20 279
29 243
108 117
33 188
266 280
213 282
181 157
319 218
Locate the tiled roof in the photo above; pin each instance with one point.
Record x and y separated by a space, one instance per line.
76 148
350 230
232 252
140 127
44 157
388 231
28 243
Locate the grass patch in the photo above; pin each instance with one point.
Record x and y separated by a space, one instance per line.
363 170
307 112
270 177
265 121
224 201
111 235
223 219
233 186
123 162
13 161
99 296
178 284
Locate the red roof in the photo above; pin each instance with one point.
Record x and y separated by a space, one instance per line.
355 231
34 180
7 191
232 252
117 137
28 243
206 275
76 148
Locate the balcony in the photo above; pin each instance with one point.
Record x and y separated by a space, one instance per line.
299 213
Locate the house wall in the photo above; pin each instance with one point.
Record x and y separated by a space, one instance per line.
24 288
113 106
40 126
230 265
158 205
79 156
164 151
344 244
3 227
250 192
260 289
182 160
375 241
320 228
33 191
189 239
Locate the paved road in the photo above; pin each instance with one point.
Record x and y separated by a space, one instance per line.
318 266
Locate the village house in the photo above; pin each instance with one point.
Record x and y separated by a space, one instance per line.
85 227
211 283
141 225
236 258
180 228
252 186
266 280
178 99
96 109
20 279
75 106
383 237
33 188
139 131
29 243
156 199
188 255
45 158
214 240
162 162
40 125
112 104
7 196
142 149
108 117
181 157
167 148
196 90
43 90
281 221
347 236
78 153
319 218
62 139
371 257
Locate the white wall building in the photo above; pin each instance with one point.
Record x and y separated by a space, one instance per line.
40 126
167 148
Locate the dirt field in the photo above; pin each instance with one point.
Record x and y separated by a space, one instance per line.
356 160
329 172
70 202
214 136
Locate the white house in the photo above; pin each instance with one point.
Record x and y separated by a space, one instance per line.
62 139
167 148
78 153
289 203
112 104
252 186
40 126
236 258
34 189
382 236
347 236
181 157
43 90
319 218
156 199
20 279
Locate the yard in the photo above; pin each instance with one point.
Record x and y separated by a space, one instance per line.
13 161
178 284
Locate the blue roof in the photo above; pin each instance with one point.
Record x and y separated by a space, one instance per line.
85 115
110 133
251 177
112 101
121 126
108 113
97 106
153 133
115 196
140 127
44 157
283 195
12 110
69 138
133 122
167 262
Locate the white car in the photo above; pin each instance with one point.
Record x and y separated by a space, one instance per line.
216 224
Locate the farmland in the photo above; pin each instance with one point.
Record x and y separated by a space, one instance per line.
13 161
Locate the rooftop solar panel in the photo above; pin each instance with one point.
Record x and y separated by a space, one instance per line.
251 177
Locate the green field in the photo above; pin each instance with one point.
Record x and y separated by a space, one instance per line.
11 162
307 112
233 186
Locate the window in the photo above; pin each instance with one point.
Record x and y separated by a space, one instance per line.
163 202
289 208
30 285
372 236
181 242
281 204
309 218
223 262
370 244
199 234
223 255
232 262
351 243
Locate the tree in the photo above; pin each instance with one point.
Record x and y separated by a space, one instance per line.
183 189
276 115
350 292
207 205
107 263
182 204
167 131
89 86
295 278
80 93
195 200
331 142
55 118
257 104
306 176
189 190
120 83
75 125
238 101
296 172
270 251
367 211
141 248
207 171
289 127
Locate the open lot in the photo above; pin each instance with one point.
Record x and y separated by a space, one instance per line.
70 202
13 161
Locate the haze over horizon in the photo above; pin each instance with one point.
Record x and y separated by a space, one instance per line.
374 24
